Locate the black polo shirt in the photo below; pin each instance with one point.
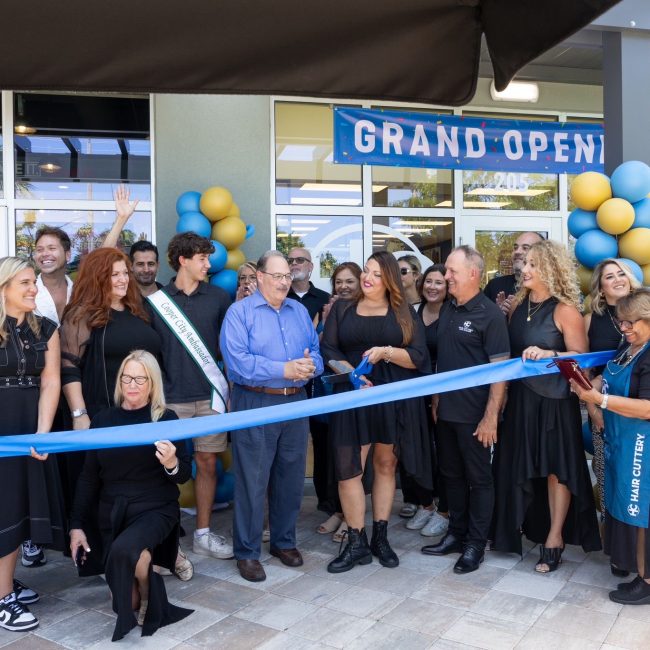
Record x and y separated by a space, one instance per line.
313 300
469 335
205 308
505 283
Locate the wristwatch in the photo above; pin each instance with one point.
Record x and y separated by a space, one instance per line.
77 413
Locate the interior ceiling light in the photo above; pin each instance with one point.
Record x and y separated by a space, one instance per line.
324 201
23 129
502 191
49 168
516 91
338 187
424 222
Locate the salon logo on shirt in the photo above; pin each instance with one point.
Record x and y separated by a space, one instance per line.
466 327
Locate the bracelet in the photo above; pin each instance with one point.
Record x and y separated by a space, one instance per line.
171 472
603 404
555 354
389 355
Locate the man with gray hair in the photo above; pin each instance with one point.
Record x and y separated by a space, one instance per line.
271 351
471 331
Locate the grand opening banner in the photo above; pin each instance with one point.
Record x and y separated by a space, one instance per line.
407 139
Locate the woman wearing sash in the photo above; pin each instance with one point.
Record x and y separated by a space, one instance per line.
623 395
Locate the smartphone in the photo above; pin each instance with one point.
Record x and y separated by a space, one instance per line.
80 556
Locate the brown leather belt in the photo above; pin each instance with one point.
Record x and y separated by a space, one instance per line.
290 390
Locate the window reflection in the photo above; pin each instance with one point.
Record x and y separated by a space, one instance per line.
411 187
86 228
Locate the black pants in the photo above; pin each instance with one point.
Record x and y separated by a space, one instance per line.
465 467
325 483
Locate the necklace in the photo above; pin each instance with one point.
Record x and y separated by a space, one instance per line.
609 313
531 313
624 359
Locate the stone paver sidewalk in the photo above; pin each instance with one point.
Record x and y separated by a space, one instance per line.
421 604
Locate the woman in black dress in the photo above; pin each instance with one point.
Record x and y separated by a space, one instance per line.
134 492
380 326
610 281
29 394
542 479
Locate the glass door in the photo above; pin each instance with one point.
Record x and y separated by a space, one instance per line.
495 236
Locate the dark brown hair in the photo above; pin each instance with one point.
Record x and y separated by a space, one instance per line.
434 268
60 234
353 267
91 295
187 244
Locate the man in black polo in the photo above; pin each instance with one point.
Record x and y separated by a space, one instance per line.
471 331
502 289
302 288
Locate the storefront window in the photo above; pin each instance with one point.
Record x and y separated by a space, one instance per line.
432 237
304 171
510 191
80 148
86 229
412 187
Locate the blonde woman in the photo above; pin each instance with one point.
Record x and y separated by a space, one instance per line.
410 269
29 393
542 481
246 280
134 492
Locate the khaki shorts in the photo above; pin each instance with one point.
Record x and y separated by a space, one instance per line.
215 442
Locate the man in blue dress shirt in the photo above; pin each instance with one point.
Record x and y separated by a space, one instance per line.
271 351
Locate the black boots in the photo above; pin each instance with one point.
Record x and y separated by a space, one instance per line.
380 547
356 551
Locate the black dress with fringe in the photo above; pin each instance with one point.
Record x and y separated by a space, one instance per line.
540 435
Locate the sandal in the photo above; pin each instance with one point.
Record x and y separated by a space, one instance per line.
551 557
330 525
340 534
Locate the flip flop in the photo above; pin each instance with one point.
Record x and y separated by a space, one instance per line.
330 525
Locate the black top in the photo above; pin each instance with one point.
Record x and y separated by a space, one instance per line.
205 308
93 357
314 300
132 472
505 283
541 331
431 338
468 335
23 352
603 332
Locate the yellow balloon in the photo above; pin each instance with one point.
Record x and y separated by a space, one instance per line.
234 211
590 189
635 245
235 259
216 203
586 305
186 498
646 275
615 216
584 279
226 459
231 232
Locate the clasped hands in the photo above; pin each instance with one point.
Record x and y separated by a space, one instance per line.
300 369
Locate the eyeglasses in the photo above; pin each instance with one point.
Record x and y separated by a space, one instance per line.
406 271
280 276
297 260
247 278
127 379
627 324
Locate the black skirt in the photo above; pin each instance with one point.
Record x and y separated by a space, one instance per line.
540 436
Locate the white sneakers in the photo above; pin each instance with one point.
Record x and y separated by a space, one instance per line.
14 616
212 545
430 523
419 519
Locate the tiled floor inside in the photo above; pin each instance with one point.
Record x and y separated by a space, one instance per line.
420 604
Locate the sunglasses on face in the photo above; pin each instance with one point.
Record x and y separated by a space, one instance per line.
297 260
406 271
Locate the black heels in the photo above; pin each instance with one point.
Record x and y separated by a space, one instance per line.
551 557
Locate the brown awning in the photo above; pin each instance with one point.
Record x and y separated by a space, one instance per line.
405 50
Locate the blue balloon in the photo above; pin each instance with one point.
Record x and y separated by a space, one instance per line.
225 488
219 258
637 271
641 214
594 246
188 202
194 222
631 181
227 280
250 230
580 221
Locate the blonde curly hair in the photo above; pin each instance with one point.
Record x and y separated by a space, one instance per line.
556 270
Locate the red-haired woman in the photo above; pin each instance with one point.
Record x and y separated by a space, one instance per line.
104 321
380 325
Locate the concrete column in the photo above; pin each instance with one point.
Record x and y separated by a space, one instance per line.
626 89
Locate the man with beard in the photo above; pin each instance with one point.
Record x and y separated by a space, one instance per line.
302 289
503 288
144 259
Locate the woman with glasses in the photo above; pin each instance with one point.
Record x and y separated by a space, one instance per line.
246 280
410 268
133 491
29 394
611 280
380 326
623 395
542 480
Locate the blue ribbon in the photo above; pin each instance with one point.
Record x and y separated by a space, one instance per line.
141 434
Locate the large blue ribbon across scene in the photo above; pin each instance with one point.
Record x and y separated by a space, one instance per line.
141 434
